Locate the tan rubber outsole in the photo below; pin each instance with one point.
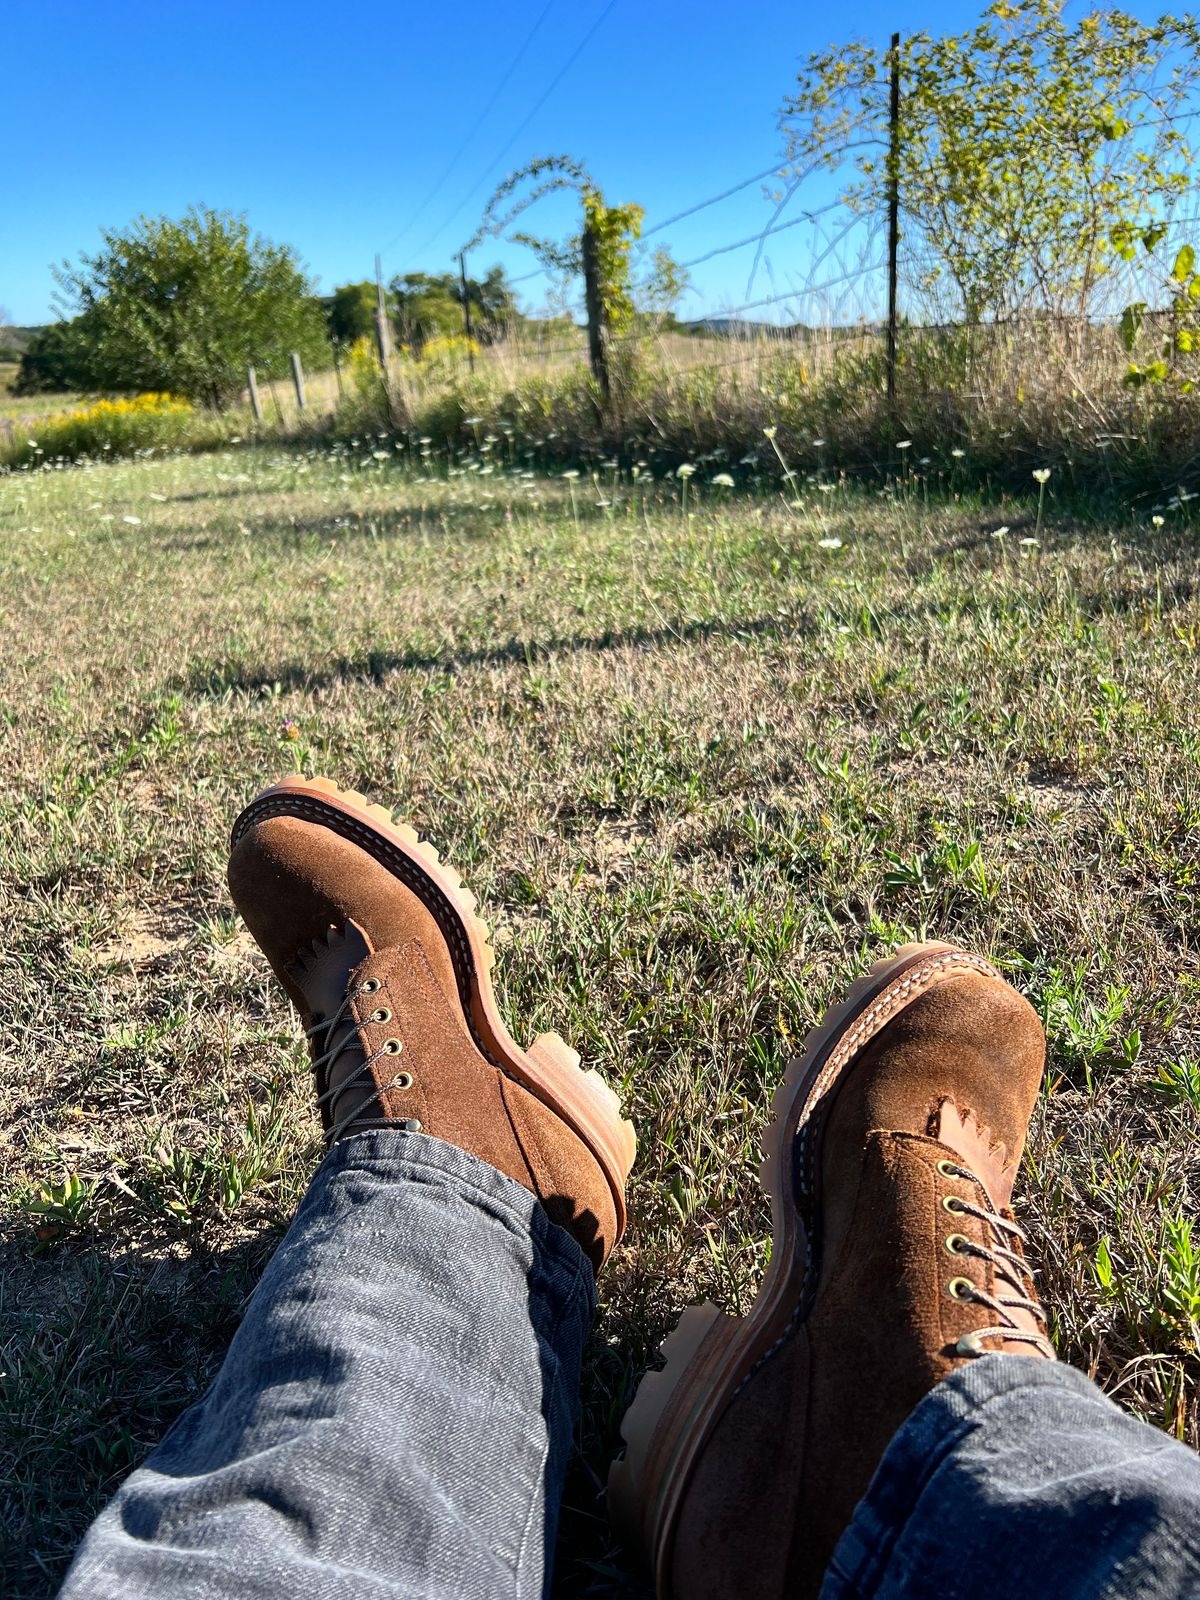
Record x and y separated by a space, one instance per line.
710 1355
549 1068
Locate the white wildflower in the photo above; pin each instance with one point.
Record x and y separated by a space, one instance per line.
1041 474
829 544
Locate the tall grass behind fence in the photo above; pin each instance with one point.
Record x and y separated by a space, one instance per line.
842 344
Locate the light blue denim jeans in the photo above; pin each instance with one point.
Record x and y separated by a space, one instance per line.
395 1416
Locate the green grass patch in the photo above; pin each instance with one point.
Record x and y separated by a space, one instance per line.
701 766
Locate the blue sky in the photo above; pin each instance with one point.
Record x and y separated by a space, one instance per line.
332 127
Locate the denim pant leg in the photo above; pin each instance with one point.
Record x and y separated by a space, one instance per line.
1017 1476
395 1413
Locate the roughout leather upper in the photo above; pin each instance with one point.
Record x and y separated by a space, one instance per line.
796 1449
292 880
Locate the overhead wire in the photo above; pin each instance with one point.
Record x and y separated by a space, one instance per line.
537 106
475 127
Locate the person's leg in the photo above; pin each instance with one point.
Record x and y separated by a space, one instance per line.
396 1408
394 1416
1017 1476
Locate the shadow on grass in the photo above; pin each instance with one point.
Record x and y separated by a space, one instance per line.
220 677
101 1350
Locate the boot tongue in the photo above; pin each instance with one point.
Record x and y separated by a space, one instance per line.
323 974
972 1142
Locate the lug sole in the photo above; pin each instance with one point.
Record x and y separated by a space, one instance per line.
549 1068
710 1356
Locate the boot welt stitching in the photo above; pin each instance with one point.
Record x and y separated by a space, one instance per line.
385 852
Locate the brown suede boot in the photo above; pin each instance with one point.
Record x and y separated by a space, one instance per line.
896 1259
376 943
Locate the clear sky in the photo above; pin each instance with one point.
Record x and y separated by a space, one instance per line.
332 127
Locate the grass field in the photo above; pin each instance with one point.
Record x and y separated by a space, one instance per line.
701 767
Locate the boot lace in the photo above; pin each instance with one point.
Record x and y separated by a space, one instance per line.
325 1033
1010 1266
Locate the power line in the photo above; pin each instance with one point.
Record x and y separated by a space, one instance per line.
554 83
475 127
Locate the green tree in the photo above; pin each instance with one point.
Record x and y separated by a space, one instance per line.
429 306
1024 143
352 313
185 305
60 357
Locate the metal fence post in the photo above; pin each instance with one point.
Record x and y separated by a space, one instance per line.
893 218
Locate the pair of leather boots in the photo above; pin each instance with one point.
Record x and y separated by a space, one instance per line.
889 1165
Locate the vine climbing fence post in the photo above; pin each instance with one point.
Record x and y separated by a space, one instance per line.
594 303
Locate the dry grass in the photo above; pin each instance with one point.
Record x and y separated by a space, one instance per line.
700 770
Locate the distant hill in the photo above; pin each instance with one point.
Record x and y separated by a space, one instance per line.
742 328
15 341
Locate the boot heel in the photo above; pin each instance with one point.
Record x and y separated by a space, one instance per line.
553 1056
657 1428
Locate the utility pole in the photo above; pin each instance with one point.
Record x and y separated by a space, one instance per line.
893 207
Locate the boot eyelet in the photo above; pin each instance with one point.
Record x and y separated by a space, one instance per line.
957 1243
372 986
948 1169
960 1289
382 1015
409 1125
392 1047
951 1203
402 1080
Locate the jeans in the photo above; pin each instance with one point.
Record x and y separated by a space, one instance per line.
395 1415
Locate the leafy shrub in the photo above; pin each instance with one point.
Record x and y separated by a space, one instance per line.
116 427
187 304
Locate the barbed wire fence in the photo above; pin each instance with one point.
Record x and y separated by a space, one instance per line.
854 278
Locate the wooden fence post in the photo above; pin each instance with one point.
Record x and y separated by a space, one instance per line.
255 402
594 301
383 343
383 326
462 272
298 381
